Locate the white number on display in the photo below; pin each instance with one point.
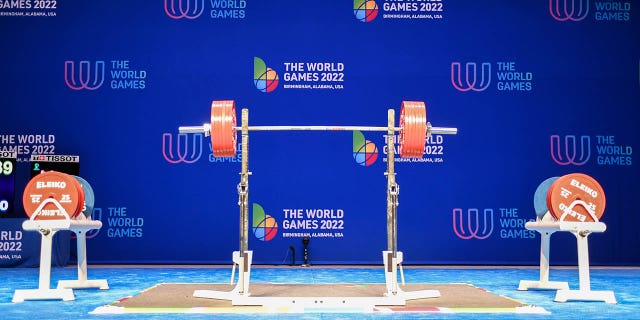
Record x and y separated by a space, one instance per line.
7 168
4 205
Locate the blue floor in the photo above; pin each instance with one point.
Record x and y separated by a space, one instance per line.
128 281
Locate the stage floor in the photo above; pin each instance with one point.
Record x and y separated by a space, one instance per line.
134 281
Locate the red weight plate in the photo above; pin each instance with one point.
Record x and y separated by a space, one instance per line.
406 131
223 133
576 197
231 124
57 186
403 129
413 129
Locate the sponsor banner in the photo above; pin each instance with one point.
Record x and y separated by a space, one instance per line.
24 145
369 10
299 223
434 150
578 150
481 224
92 75
365 152
19 248
478 77
120 223
602 10
10 245
28 8
115 101
214 9
299 75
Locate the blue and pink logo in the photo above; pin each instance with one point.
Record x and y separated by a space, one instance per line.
473 226
365 152
182 151
265 227
470 80
85 76
365 10
178 9
574 10
265 78
570 153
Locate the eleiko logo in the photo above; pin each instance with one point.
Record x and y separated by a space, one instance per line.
182 148
570 150
84 75
189 9
576 11
365 10
473 224
265 226
365 152
470 73
265 79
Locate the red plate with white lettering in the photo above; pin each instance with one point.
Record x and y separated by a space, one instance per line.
576 197
80 196
413 129
223 132
52 187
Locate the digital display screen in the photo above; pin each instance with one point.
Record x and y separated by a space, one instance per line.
61 163
7 182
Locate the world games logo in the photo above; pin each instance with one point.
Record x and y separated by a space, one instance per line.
365 152
84 75
574 10
567 152
264 78
179 9
365 10
472 225
96 215
186 149
469 79
265 227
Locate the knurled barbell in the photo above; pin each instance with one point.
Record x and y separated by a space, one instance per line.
414 128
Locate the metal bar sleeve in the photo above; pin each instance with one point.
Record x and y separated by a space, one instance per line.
391 181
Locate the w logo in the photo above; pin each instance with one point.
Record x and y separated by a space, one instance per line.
182 148
471 81
473 227
96 215
574 10
86 78
570 150
178 9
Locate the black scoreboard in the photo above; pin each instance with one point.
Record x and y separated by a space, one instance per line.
54 162
7 182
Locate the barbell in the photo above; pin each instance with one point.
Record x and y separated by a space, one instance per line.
414 128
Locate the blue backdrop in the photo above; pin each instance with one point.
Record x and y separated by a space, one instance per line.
537 88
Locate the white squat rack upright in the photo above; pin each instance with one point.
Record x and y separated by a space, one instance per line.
47 228
546 226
